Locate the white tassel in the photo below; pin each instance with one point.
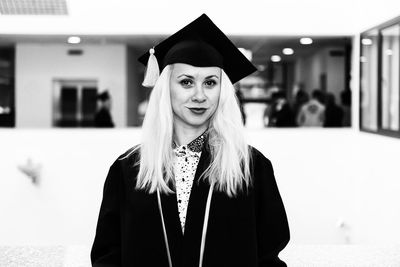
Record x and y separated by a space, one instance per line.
152 70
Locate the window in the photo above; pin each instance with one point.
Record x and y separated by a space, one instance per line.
75 103
7 106
379 81
369 81
390 78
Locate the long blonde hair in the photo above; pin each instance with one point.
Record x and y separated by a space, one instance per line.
230 158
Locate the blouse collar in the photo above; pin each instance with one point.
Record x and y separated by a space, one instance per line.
196 145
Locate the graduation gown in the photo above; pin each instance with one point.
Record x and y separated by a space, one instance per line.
248 230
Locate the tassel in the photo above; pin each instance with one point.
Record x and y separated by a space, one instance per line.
152 70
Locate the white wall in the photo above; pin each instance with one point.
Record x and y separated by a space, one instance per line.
37 65
323 175
371 13
378 195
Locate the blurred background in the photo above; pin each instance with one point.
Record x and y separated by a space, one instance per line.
323 106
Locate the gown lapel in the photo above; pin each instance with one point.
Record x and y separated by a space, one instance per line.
173 227
195 213
185 248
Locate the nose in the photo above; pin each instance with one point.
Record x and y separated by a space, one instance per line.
199 95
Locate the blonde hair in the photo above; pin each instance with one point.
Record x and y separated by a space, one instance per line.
229 167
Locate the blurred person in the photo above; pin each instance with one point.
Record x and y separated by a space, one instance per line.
192 145
102 118
281 114
333 112
300 99
312 113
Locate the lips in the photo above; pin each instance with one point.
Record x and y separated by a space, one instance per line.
198 110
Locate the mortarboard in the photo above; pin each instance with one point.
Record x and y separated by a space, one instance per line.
200 43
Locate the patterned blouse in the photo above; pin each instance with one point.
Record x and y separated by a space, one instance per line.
186 160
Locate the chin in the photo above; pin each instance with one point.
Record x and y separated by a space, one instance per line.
197 122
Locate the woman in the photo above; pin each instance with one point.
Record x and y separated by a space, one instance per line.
193 193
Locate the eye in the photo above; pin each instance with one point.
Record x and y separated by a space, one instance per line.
186 82
210 83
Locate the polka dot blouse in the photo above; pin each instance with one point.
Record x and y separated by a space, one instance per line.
186 160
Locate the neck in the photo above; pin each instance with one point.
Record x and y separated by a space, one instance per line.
184 135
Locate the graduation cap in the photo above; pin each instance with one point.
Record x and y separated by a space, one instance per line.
200 43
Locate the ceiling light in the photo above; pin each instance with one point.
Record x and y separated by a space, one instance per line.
287 51
389 52
363 59
366 41
74 40
306 41
275 58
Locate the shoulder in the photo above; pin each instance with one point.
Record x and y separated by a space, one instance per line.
260 166
121 169
130 153
129 158
257 157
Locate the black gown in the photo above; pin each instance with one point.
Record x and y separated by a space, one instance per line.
248 230
103 119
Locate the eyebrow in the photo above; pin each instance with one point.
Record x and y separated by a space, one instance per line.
192 77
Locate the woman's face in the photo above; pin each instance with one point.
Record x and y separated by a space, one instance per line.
194 94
